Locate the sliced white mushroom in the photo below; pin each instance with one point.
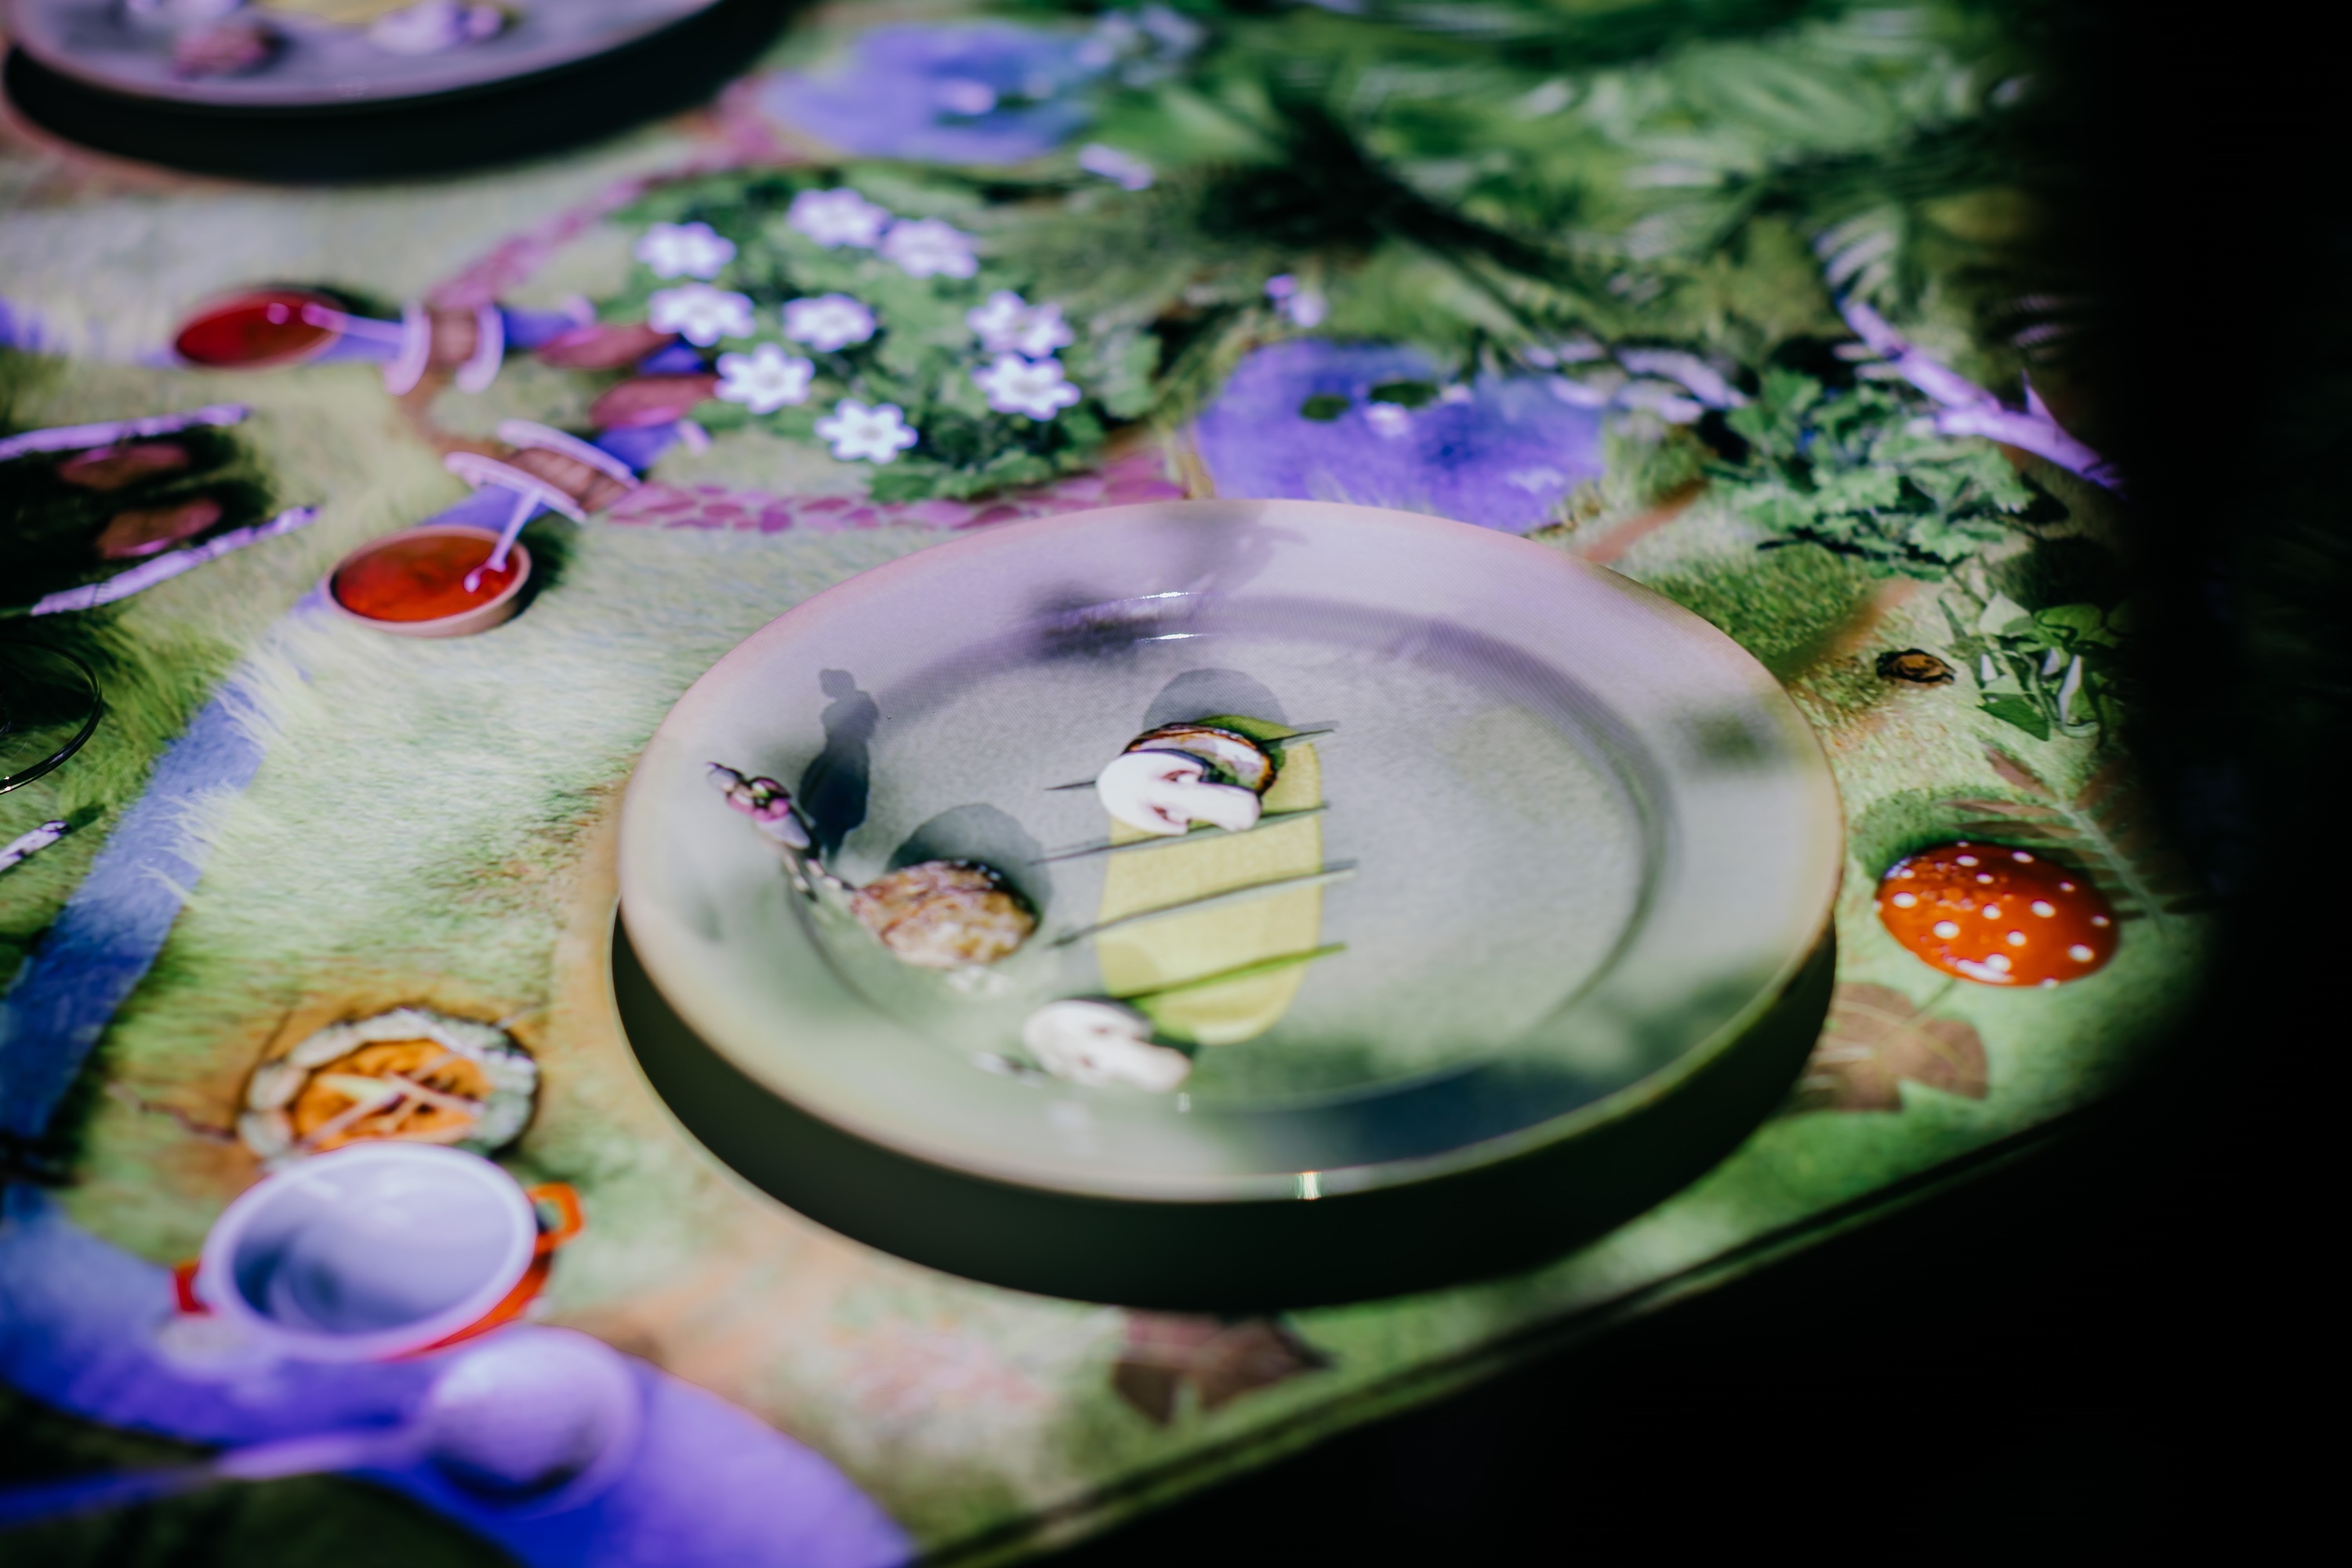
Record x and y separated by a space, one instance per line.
1168 792
1235 756
1100 1045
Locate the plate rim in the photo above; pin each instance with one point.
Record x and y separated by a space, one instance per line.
43 50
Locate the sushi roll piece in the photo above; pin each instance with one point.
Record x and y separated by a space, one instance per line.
411 1075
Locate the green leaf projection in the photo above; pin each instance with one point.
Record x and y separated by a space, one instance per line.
1493 186
2107 825
1496 173
2056 672
1851 470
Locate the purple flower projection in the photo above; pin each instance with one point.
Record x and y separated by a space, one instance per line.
984 93
1500 453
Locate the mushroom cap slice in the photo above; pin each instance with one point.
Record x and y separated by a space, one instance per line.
1100 1045
1228 752
1166 792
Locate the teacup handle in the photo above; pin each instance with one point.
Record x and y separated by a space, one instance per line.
570 1220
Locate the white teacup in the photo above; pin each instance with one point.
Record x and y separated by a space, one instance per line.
378 1250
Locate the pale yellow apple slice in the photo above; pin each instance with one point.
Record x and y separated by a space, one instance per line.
1144 959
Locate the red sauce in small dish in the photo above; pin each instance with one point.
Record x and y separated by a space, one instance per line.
251 330
422 578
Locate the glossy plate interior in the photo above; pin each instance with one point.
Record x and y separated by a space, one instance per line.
104 44
1585 841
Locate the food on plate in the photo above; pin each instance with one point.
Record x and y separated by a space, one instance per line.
1100 1045
936 914
944 914
1234 755
1171 778
430 26
1224 961
233 47
407 26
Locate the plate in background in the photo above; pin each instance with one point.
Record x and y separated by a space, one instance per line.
49 706
318 64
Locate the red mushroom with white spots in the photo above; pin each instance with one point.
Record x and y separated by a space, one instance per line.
1997 915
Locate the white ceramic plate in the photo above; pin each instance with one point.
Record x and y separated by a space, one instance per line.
1591 843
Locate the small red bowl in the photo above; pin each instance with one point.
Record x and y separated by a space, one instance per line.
257 330
411 584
